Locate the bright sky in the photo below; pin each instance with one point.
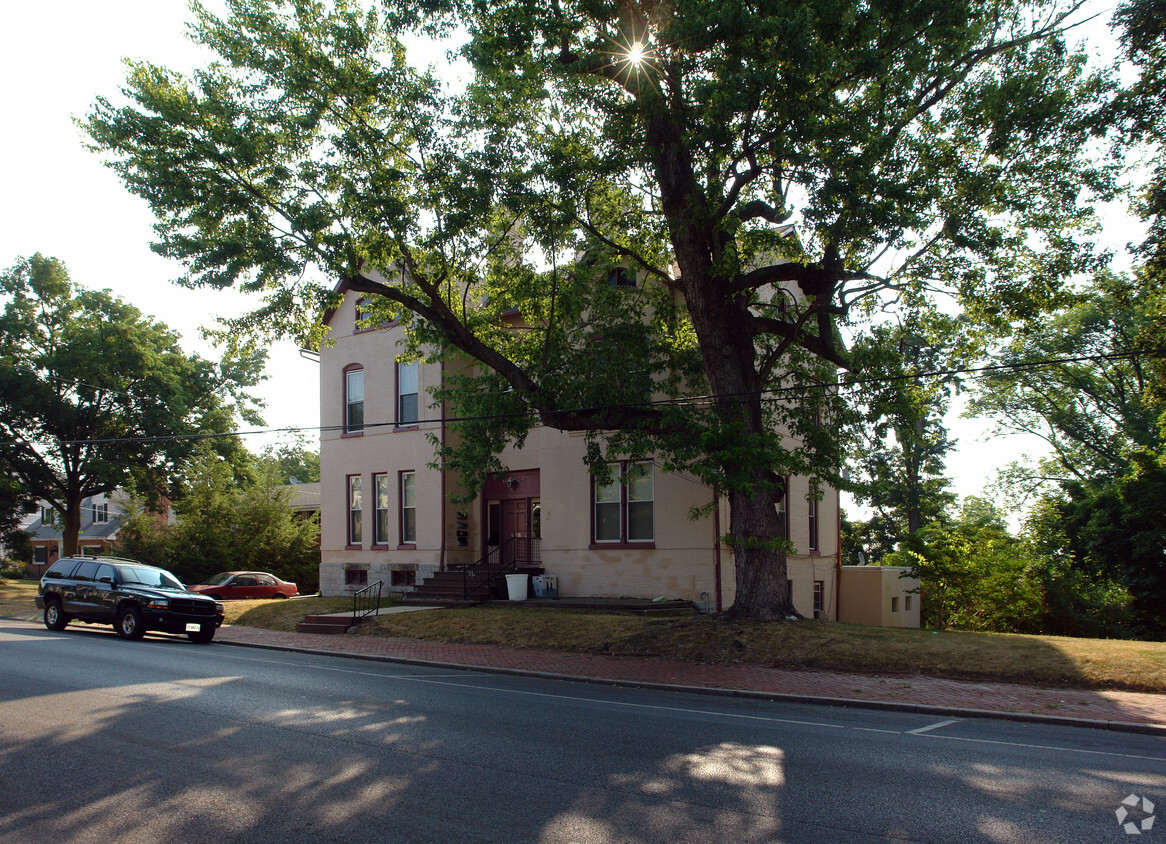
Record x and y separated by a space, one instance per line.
57 56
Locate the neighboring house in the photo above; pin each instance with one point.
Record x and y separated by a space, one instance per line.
304 500
386 515
886 596
100 518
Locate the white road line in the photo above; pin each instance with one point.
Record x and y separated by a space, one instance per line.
1047 747
931 727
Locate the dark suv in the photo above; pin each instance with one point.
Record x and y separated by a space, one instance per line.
131 596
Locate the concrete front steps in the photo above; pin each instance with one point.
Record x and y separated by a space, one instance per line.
447 589
326 624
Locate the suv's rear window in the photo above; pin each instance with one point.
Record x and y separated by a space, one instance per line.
61 568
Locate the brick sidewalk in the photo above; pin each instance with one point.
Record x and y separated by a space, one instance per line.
1117 710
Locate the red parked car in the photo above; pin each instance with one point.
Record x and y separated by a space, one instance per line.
245 584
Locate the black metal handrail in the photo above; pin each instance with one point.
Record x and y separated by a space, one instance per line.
507 557
364 604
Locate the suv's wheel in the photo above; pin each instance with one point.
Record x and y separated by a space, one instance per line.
129 622
55 618
203 636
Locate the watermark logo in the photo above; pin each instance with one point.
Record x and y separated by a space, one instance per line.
1127 811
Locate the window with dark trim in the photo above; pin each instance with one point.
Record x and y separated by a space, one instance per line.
623 509
355 577
402 578
407 393
408 508
621 277
380 529
812 511
355 507
353 399
360 322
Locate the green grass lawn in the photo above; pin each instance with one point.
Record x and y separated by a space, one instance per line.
1044 660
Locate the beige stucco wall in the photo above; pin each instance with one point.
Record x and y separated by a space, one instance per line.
682 563
879 595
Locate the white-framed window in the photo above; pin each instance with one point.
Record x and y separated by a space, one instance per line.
48 515
101 513
623 510
407 405
353 400
819 589
408 508
355 508
381 489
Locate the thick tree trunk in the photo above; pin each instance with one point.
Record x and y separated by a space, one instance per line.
71 527
755 529
721 322
761 577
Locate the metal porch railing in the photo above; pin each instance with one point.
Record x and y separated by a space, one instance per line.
367 602
517 551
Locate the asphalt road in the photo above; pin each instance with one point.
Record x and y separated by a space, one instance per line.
164 740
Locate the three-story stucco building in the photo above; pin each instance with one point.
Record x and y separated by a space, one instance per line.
386 513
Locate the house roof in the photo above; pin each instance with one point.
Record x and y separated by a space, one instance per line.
89 528
305 496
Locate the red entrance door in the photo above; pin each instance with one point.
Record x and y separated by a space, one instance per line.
515 518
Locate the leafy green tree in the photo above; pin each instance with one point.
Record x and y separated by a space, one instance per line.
1077 382
1116 530
914 144
15 504
227 523
1081 599
1081 383
902 389
295 462
973 574
1141 111
93 393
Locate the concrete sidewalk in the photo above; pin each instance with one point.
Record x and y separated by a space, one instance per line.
1127 711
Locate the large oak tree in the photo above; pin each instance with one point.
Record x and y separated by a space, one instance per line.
931 144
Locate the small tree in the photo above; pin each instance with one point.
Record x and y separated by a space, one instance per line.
901 391
973 574
15 504
228 523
